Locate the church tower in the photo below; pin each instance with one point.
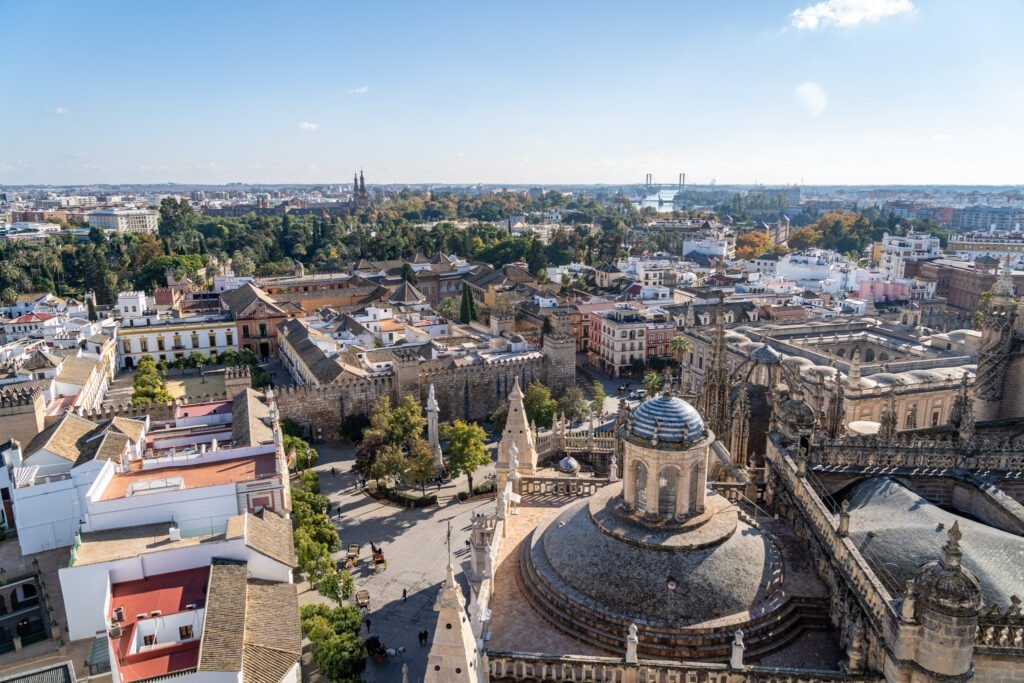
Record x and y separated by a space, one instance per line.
453 651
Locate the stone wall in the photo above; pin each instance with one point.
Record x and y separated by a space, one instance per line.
21 415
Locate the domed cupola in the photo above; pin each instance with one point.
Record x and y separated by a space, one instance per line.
668 420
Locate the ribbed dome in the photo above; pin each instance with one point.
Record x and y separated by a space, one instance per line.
766 354
677 421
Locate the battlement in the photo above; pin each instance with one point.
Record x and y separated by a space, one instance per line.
19 396
236 371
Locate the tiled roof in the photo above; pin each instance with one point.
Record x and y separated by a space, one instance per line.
250 419
406 294
270 534
273 635
131 428
77 370
224 627
251 626
51 673
63 437
240 301
300 336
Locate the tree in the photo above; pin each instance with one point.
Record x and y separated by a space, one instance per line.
652 383
420 467
597 405
338 651
804 238
467 448
390 464
540 407
679 346
305 455
199 360
91 303
400 425
409 274
750 245
467 312
148 384
574 404
448 308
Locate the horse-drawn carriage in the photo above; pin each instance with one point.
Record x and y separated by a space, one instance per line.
379 563
352 558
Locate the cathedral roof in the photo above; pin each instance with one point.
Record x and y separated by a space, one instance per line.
766 354
674 420
900 533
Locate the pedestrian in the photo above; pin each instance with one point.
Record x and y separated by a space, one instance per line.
405 594
438 484
367 625
334 471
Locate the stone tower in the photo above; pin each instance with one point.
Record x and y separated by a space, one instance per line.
22 414
1000 320
517 431
236 379
941 619
407 372
453 651
559 363
740 432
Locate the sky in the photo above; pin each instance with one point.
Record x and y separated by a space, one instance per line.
764 91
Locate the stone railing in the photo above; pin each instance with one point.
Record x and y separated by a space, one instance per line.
877 601
558 486
506 667
559 440
918 454
1002 631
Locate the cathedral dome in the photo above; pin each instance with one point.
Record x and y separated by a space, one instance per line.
674 420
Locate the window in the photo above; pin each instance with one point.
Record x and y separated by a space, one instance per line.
144 345
195 340
212 340
935 418
159 343
126 344
245 330
148 640
185 632
263 329
230 338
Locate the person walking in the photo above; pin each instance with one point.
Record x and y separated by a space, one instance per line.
367 620
405 594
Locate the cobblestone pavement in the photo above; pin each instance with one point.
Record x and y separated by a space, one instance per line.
414 545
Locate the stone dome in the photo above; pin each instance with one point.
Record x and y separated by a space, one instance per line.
766 354
794 411
675 421
945 584
568 465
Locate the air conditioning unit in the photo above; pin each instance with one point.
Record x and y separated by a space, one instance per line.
155 613
190 605
115 631
119 614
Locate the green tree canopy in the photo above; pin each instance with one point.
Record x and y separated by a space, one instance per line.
466 448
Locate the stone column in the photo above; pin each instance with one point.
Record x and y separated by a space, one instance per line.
736 657
652 492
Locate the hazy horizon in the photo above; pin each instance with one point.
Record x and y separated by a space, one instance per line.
835 92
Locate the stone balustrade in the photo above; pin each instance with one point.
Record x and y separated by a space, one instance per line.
507 667
560 486
1001 632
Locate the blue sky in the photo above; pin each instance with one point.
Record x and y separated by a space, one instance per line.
839 91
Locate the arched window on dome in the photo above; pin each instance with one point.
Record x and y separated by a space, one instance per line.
640 485
841 353
668 483
869 356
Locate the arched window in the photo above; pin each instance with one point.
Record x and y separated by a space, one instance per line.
841 353
668 482
883 356
640 485
869 355
694 483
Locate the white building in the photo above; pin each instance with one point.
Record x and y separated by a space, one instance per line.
898 249
124 220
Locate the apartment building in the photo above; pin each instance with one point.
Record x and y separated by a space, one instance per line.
618 339
124 220
1005 245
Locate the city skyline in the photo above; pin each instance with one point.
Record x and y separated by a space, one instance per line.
818 93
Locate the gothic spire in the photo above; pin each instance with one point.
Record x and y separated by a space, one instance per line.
836 414
887 422
714 395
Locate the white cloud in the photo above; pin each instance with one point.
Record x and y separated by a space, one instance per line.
361 90
309 126
812 98
63 111
848 13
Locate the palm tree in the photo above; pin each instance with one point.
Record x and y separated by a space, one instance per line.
652 383
679 346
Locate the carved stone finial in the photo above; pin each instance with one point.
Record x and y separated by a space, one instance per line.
951 553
